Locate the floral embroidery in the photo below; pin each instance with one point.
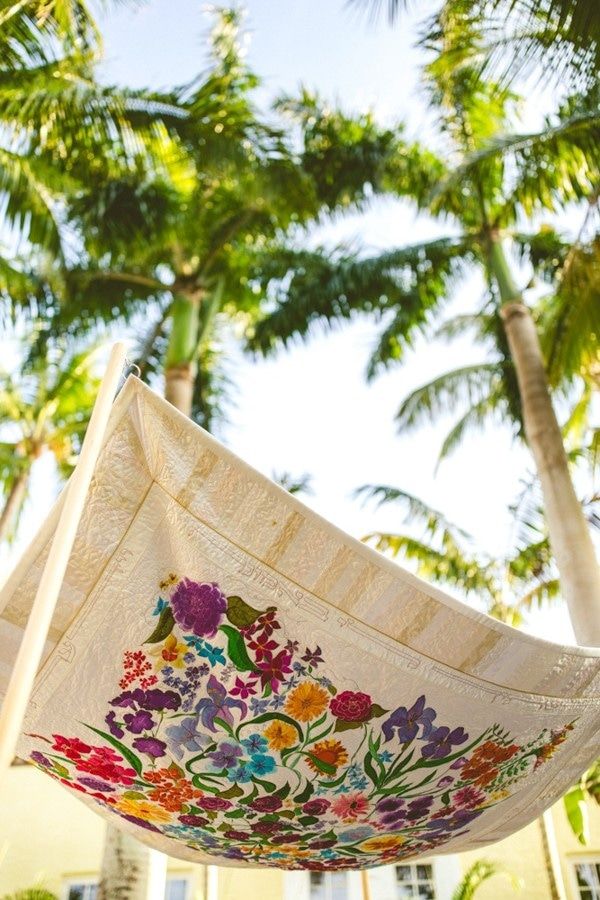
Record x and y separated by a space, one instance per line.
228 737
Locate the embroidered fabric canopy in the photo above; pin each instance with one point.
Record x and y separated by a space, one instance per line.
236 681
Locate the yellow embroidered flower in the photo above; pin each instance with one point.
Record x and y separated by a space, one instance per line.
142 809
170 653
169 581
307 701
280 735
499 795
382 842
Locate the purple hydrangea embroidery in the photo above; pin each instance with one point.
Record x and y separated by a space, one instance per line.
198 607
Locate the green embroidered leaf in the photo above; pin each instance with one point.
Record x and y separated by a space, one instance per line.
376 711
266 785
236 649
234 791
241 613
164 627
306 794
340 725
283 792
308 820
325 768
125 752
332 690
134 795
236 813
60 770
445 798
286 813
369 768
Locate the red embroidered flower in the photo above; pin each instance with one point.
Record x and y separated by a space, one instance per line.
351 706
72 748
104 763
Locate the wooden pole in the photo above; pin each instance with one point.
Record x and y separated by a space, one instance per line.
366 888
34 637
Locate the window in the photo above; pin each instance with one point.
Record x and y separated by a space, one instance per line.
177 888
82 890
328 886
588 879
415 881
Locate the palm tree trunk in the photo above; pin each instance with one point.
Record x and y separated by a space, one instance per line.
13 504
127 869
180 368
568 531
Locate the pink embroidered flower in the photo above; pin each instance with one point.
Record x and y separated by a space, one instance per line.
350 806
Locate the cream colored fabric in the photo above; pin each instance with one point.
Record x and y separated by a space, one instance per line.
400 722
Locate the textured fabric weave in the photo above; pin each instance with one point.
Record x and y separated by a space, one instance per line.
234 680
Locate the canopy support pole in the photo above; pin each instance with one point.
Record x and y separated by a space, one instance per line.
364 882
36 632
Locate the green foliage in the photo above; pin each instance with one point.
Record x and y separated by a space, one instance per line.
476 875
43 408
31 894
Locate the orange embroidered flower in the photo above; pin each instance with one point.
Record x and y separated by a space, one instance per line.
307 701
331 752
172 791
280 735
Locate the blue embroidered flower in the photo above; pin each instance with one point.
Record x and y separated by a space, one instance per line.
255 743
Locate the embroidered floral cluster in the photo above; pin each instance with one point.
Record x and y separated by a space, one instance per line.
229 737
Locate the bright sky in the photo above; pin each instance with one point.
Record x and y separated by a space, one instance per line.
310 410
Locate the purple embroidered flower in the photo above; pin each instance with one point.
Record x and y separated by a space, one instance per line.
138 722
214 803
225 756
441 740
113 726
459 763
419 807
218 705
391 811
455 821
152 746
186 736
198 607
197 821
94 784
153 699
141 822
407 721
40 759
445 781
267 804
313 657
316 807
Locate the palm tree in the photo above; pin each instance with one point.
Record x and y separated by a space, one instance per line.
559 37
45 408
483 201
177 240
509 585
476 875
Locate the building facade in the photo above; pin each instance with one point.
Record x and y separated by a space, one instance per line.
49 839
